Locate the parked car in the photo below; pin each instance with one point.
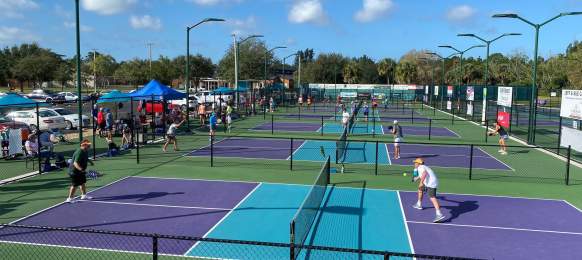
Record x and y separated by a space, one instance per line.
208 97
41 95
48 119
193 103
71 119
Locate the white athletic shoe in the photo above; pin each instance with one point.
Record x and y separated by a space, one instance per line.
85 197
417 206
69 200
503 152
500 151
438 218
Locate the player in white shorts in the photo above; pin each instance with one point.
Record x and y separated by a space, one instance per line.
398 136
428 183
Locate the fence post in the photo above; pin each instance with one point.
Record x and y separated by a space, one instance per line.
137 144
471 163
486 130
559 135
153 119
93 126
322 125
211 151
336 155
299 109
452 115
412 115
38 140
291 155
429 127
568 165
155 247
272 124
376 162
373 125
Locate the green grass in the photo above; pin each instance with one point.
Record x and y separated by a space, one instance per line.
536 175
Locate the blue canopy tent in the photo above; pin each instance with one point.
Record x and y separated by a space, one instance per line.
158 91
222 90
115 96
15 100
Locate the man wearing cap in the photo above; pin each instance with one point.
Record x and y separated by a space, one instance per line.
78 174
397 133
428 183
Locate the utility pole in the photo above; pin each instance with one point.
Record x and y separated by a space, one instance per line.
94 71
149 44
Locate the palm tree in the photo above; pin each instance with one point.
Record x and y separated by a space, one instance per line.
386 68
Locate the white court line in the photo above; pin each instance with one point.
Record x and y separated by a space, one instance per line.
572 205
495 158
494 227
202 148
63 202
308 185
405 223
459 136
152 205
388 154
223 218
298 148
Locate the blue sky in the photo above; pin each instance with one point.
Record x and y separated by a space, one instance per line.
378 28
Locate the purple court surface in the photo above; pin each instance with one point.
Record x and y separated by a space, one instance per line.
250 148
495 227
446 156
423 131
309 116
136 204
288 127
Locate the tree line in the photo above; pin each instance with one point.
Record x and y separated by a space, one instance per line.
34 65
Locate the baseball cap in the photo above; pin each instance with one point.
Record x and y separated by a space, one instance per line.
419 160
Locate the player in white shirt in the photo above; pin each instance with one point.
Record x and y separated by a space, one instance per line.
345 118
428 183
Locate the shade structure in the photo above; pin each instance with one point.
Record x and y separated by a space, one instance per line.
157 91
222 90
16 100
115 96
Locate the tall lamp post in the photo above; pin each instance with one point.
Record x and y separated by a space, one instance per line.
266 76
78 60
187 77
236 47
461 69
531 137
298 70
443 69
488 44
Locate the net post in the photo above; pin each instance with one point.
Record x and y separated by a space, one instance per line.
452 115
155 247
336 155
559 136
292 241
386 256
568 158
321 125
471 163
272 124
429 128
376 162
40 170
291 155
299 109
211 151
373 125
412 115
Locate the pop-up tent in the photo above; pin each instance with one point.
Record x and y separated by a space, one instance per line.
15 100
115 96
157 91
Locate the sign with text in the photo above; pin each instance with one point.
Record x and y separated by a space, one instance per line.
571 104
470 93
426 90
349 94
436 90
449 91
503 118
504 96
470 109
449 105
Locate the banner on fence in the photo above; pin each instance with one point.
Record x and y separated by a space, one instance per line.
425 98
571 104
436 90
470 93
426 90
571 137
449 91
349 94
503 118
449 105
504 96
470 108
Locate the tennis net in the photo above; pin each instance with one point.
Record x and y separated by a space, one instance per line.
306 214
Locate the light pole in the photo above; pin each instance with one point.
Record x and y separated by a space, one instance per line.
187 76
432 75
531 137
298 70
236 47
78 58
461 69
488 43
443 69
265 77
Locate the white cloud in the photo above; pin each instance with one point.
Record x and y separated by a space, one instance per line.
84 28
213 2
145 22
12 8
461 13
10 35
243 26
107 7
373 9
307 11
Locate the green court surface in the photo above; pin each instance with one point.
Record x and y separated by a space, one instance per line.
534 174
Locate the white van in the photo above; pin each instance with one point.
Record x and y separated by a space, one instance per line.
207 97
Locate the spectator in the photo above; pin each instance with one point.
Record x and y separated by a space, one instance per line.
32 148
109 122
202 113
126 138
100 121
46 140
271 105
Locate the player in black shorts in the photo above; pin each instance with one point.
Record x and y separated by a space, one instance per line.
499 130
78 172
